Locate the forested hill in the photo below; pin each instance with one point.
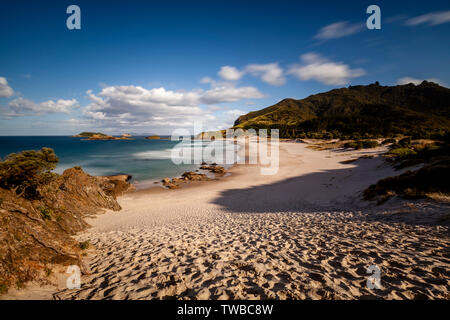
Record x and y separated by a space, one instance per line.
420 111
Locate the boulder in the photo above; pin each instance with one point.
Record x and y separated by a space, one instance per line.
214 168
193 176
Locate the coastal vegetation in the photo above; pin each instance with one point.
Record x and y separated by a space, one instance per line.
427 181
41 210
362 144
24 172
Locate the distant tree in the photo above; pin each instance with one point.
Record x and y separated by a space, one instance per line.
24 172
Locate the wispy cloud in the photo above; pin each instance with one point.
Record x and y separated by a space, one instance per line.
315 67
338 30
431 19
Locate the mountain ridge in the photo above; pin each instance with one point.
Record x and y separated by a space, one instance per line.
421 110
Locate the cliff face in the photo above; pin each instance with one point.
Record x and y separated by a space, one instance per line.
374 109
36 233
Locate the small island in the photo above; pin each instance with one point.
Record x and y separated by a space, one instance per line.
101 136
154 137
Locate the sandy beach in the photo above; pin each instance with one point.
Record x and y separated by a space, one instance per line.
303 233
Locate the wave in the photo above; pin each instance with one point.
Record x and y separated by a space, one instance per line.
196 151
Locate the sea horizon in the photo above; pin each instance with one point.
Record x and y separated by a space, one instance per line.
145 160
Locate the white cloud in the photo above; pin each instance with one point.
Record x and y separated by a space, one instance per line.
21 106
159 109
270 73
338 30
317 68
227 93
230 73
432 19
5 90
407 80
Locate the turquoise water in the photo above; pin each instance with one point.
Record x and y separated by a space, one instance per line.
145 160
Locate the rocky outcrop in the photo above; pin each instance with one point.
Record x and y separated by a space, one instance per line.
175 183
185 177
98 137
35 234
101 136
193 176
214 168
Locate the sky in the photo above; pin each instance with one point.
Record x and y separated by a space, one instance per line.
146 67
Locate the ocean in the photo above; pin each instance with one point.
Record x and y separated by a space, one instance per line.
145 160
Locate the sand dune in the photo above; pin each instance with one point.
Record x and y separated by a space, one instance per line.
303 233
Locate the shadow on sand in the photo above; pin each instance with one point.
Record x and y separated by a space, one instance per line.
331 191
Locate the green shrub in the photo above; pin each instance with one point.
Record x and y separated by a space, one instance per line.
368 144
413 184
48 271
84 245
354 145
3 288
356 136
46 213
361 144
402 152
395 146
24 172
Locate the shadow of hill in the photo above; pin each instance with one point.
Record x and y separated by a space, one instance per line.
331 191
305 192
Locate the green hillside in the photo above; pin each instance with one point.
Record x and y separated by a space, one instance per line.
373 110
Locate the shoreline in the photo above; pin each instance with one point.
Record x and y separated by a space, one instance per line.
149 185
303 233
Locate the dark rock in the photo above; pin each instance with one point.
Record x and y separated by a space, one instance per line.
214 169
193 176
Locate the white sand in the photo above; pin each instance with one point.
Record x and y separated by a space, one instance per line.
303 233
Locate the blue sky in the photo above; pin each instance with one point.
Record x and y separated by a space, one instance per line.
154 66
